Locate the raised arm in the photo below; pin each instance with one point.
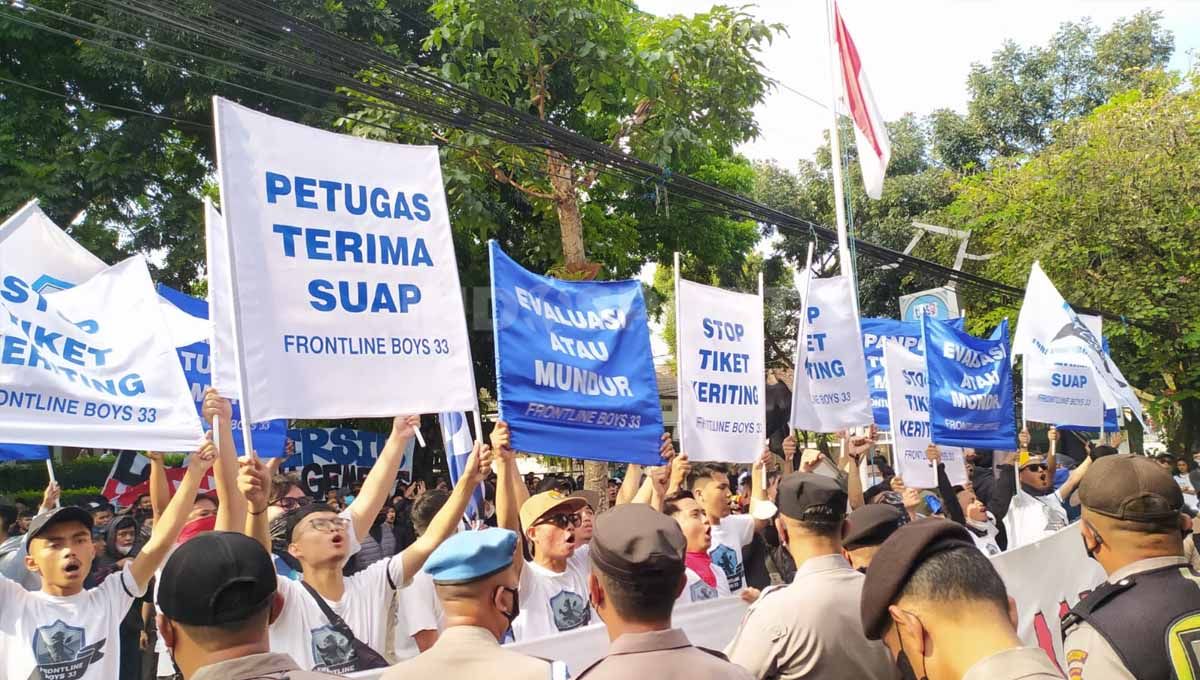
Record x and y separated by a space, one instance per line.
446 521
855 450
174 517
377 487
231 506
680 469
758 484
1052 453
254 484
1068 488
630 485
954 509
1005 489
160 488
510 489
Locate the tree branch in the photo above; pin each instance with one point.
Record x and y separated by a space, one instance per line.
640 115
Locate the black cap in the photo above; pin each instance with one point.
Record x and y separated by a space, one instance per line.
811 497
895 562
69 513
635 540
296 516
1131 488
871 525
217 577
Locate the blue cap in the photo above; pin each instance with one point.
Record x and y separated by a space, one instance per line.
472 555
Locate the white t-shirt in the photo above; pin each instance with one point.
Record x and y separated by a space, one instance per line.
1032 518
1189 499
987 542
697 590
64 638
728 538
552 603
418 609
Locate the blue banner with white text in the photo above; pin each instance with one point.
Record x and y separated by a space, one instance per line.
574 366
874 333
970 387
270 436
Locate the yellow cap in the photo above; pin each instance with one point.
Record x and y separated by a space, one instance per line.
540 505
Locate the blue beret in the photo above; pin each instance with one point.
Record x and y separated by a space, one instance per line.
472 555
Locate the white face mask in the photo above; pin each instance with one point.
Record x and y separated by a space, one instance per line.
124 549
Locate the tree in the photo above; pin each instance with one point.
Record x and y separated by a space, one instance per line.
677 92
1110 208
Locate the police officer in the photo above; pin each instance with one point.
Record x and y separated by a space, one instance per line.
809 629
217 595
866 529
941 608
477 585
1142 621
637 573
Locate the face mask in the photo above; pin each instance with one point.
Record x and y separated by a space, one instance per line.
516 605
124 549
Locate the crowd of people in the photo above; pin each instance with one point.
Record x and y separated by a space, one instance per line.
848 572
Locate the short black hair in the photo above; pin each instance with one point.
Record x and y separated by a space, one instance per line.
426 507
650 600
706 471
552 483
957 575
828 526
671 502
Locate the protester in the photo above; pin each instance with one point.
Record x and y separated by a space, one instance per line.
419 615
705 581
941 609
866 529
1139 622
1037 509
331 622
102 513
65 626
809 629
218 596
964 507
476 580
637 574
587 515
1181 472
730 533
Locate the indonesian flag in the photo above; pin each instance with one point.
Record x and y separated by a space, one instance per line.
130 478
870 135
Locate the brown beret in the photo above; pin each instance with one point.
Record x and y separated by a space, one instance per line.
872 524
635 540
811 497
895 562
1131 488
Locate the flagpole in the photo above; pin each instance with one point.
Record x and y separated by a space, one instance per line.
678 363
845 261
1025 391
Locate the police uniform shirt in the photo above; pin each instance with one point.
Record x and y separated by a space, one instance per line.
661 655
1022 663
268 666
1088 653
469 653
811 629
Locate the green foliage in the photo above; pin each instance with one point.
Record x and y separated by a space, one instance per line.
70 496
81 472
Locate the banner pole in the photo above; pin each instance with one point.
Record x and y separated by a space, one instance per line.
50 469
801 334
678 364
762 304
1025 392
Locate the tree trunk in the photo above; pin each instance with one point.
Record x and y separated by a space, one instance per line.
566 202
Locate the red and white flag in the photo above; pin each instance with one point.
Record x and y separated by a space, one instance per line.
130 478
870 134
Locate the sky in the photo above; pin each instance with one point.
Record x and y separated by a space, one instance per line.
916 53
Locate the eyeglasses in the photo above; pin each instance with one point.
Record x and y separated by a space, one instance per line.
329 525
562 520
1036 467
289 503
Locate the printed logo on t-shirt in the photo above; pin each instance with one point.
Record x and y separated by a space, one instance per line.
729 561
570 611
62 651
701 591
332 651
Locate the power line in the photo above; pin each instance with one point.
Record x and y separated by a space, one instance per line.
115 107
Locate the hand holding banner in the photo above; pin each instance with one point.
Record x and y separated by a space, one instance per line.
574 366
907 390
970 388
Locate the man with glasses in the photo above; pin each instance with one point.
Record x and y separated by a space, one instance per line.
1037 509
331 622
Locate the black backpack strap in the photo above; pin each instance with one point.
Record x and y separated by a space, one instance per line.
712 652
1094 600
365 658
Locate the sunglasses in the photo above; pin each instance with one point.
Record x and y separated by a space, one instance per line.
288 503
1036 467
562 520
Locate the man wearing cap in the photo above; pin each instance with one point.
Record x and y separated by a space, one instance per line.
331 622
218 596
1142 622
637 572
942 610
1037 509
809 629
476 581
65 630
866 529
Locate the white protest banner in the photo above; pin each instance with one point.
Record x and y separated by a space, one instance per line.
831 393
908 402
223 348
92 366
1059 387
346 293
1046 579
34 248
1047 321
721 375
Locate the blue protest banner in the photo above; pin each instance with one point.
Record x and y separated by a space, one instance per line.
270 436
574 366
24 452
874 333
970 387
332 458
